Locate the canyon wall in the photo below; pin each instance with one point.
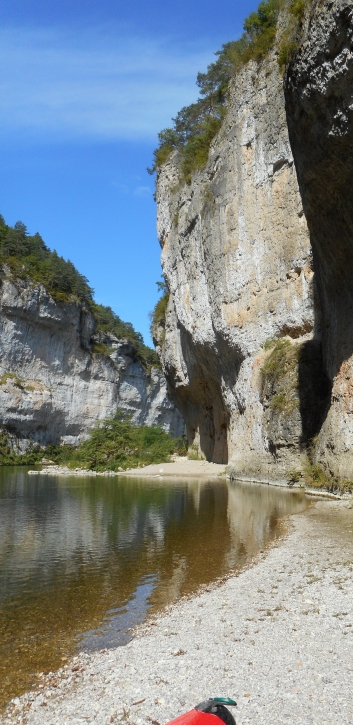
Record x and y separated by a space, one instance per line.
256 252
53 386
319 101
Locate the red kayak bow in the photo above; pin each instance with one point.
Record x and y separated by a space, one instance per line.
208 712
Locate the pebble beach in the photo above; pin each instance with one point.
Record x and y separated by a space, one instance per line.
278 637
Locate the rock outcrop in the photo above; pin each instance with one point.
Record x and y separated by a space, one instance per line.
252 254
53 387
319 100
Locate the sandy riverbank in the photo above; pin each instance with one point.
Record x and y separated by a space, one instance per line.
181 467
278 637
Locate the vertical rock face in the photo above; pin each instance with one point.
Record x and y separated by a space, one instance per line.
53 388
237 259
259 247
319 100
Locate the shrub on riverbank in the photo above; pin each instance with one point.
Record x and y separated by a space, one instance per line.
316 477
114 444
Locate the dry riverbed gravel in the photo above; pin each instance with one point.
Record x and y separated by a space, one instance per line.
278 637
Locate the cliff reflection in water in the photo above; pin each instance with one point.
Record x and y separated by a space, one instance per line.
92 556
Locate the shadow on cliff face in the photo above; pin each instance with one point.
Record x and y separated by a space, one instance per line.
34 431
314 390
318 90
201 402
295 394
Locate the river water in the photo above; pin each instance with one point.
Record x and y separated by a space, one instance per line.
82 560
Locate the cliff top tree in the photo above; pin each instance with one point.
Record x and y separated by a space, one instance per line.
28 256
196 125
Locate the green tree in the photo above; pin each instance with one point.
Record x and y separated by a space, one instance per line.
29 258
195 126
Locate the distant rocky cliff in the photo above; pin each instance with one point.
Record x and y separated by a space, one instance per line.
258 257
53 386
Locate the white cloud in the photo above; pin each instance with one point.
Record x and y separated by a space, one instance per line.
100 83
143 191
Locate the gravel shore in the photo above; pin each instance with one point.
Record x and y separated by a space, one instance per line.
278 637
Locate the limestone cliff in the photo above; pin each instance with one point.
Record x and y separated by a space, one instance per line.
53 387
319 100
252 254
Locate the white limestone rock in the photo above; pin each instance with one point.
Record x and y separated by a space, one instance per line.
53 388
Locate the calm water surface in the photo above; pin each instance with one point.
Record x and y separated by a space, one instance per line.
84 560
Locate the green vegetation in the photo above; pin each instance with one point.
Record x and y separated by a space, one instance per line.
297 9
13 377
196 125
289 40
315 476
157 316
294 475
28 257
100 348
9 458
194 453
279 375
116 444
109 322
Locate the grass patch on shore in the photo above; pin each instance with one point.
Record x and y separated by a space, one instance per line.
113 445
194 453
316 477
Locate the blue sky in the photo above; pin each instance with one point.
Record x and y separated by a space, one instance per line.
85 87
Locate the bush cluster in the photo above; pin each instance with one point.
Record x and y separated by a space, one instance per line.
316 477
118 444
113 445
196 125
